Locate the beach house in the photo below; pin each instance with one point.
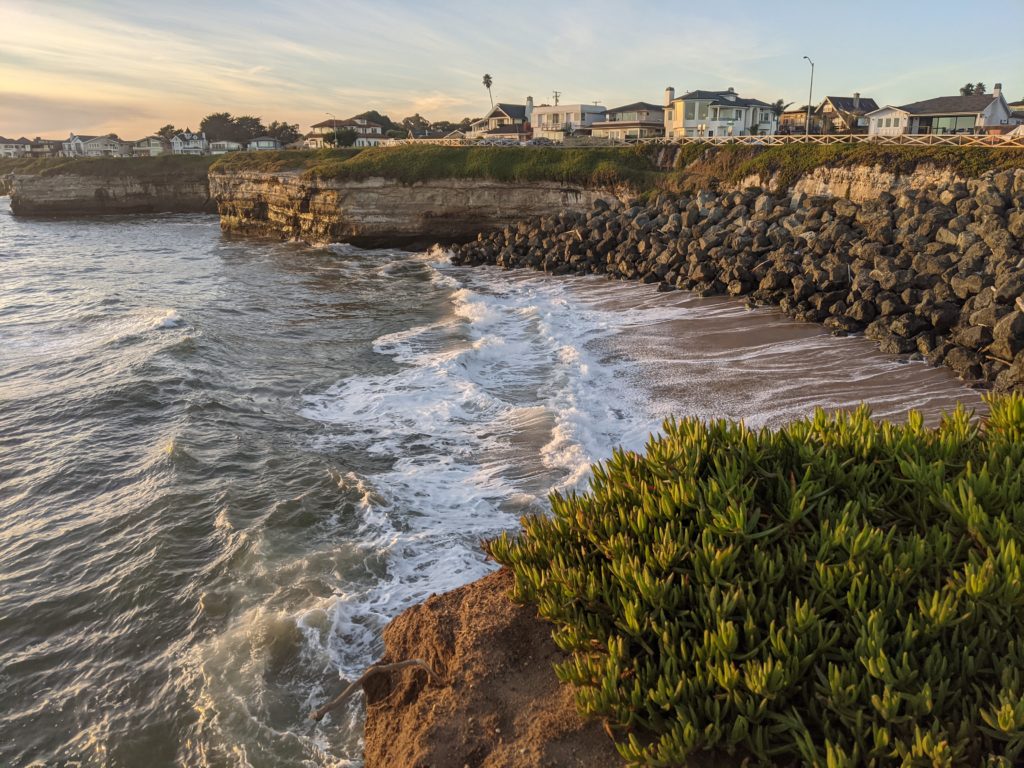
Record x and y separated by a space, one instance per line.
556 122
639 120
985 113
716 113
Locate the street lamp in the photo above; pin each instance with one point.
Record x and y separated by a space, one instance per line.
810 98
334 124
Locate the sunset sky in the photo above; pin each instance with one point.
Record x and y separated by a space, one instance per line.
130 67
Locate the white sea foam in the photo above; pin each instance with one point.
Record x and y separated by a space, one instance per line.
493 406
169 319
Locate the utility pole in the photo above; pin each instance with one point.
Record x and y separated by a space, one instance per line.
555 95
810 99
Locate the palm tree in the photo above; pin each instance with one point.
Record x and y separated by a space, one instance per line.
979 89
780 106
488 82
967 89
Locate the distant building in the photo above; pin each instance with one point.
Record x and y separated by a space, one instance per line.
15 147
46 147
368 133
505 121
223 147
716 113
640 120
795 121
561 120
151 146
262 144
190 143
844 114
96 146
987 113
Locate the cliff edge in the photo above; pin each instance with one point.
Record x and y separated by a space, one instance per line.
500 704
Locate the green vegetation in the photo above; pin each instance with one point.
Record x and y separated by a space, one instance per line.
186 167
838 592
697 165
411 163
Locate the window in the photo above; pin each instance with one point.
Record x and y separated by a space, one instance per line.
691 110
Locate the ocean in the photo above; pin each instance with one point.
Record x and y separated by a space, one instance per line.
226 465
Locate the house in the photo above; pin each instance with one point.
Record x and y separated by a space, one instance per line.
96 146
561 120
987 113
716 113
639 120
223 147
505 121
15 147
151 146
844 114
795 121
46 147
189 143
368 133
262 144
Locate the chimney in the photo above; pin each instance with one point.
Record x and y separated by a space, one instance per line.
529 108
856 101
670 94
998 90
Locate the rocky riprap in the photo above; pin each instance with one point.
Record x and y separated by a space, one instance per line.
935 272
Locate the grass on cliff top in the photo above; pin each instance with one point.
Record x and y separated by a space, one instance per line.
697 166
599 166
837 592
185 167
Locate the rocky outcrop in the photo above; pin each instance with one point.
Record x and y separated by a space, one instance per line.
78 195
859 182
380 212
935 271
499 704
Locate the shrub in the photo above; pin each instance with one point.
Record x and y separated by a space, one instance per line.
837 592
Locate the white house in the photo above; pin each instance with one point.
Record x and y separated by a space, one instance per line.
262 144
561 120
717 113
368 133
640 120
15 147
151 146
96 146
504 121
987 113
190 143
223 147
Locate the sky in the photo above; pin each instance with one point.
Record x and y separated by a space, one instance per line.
130 67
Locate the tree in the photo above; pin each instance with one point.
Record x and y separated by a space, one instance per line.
415 124
967 89
286 133
979 89
168 131
780 106
250 127
382 120
221 126
488 82
346 137
396 133
467 123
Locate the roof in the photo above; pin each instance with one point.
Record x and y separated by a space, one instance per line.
503 129
362 123
265 138
190 136
512 111
14 141
82 137
845 103
637 106
950 105
721 98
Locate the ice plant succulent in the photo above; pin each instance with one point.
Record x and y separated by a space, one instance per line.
836 592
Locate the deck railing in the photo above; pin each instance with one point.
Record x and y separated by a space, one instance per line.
922 140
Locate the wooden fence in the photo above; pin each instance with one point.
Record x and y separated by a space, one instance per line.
904 140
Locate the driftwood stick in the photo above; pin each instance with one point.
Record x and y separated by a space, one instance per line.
338 700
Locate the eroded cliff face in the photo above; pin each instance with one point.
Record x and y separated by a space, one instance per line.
382 212
74 195
859 183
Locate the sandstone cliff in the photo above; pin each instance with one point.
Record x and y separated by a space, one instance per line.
61 194
383 212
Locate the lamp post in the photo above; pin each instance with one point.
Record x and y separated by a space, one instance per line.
334 124
810 98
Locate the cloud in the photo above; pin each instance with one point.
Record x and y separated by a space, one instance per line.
50 116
